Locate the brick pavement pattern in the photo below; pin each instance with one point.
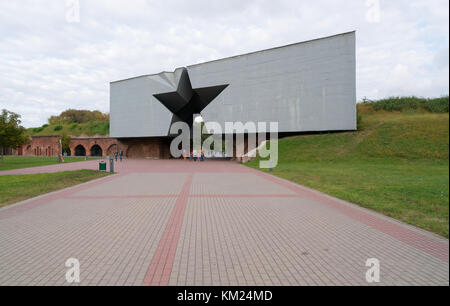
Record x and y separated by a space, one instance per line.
172 222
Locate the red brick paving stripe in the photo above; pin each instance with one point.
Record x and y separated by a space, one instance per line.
45 199
189 196
244 196
401 233
158 272
124 197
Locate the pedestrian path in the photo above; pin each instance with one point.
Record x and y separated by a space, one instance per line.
173 222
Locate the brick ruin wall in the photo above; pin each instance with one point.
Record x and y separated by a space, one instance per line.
151 148
93 146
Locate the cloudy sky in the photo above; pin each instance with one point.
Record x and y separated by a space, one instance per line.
50 62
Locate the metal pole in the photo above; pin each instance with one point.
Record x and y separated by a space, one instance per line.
111 164
60 150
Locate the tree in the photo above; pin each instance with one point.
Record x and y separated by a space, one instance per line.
78 116
12 134
66 140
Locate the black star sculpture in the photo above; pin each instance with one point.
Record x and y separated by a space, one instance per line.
187 101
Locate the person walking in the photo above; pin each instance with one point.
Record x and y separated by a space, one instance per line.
195 155
121 155
202 155
116 155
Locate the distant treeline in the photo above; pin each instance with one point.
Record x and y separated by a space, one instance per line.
435 105
78 116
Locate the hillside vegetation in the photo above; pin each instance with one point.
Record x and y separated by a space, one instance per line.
410 104
397 164
74 123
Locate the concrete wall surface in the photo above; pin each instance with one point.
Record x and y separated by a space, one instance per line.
305 87
309 86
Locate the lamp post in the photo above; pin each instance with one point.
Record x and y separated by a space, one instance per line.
60 150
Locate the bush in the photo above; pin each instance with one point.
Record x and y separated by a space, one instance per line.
359 119
66 140
78 116
437 105
58 128
44 126
73 126
38 130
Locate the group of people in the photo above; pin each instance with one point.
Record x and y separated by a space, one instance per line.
118 155
194 155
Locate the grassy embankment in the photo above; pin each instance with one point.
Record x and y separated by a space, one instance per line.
19 162
16 188
397 164
90 128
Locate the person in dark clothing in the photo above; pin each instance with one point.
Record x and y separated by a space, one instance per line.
121 155
116 155
202 155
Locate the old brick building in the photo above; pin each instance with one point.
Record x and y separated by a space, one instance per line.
96 146
40 146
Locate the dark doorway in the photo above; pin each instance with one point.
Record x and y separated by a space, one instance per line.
96 150
66 152
80 151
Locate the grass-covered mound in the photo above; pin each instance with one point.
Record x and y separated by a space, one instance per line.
73 129
397 164
75 123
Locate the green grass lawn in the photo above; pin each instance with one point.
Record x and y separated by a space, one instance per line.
398 165
16 188
19 162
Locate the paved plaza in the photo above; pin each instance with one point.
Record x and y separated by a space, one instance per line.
174 222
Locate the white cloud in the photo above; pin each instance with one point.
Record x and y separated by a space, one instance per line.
49 65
